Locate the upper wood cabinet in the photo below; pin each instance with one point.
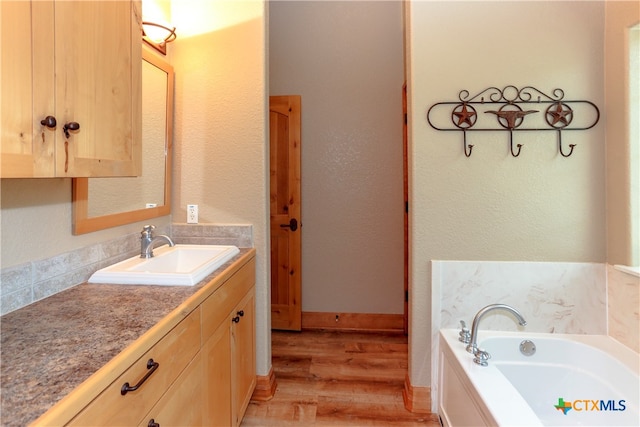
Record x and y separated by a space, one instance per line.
77 62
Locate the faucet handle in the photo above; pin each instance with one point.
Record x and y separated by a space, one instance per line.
464 336
481 357
148 230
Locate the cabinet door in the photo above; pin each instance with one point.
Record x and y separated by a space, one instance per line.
27 88
243 355
181 405
216 364
98 66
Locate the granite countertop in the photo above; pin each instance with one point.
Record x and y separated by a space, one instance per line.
50 347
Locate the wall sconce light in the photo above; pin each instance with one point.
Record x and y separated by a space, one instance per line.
157 36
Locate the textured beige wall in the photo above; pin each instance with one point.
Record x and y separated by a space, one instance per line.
37 219
345 60
491 206
220 149
620 17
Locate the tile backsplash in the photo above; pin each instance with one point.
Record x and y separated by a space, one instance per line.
23 284
239 235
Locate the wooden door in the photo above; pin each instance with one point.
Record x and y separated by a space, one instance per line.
405 191
27 87
98 57
286 302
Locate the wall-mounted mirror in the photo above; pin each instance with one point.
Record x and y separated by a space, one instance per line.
100 203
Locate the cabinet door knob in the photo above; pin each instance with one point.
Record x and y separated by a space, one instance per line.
240 313
70 126
49 122
236 319
153 423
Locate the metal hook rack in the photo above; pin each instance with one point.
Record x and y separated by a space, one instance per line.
511 107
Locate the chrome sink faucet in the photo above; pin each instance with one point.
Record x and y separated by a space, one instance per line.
148 240
472 347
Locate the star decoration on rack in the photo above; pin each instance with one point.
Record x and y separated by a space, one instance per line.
466 116
559 115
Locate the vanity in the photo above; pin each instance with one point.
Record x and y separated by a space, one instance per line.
110 354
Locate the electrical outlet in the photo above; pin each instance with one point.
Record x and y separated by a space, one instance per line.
192 214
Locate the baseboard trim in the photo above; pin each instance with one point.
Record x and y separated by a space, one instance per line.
265 387
416 399
353 321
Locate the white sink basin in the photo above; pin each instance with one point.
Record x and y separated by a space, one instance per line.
183 265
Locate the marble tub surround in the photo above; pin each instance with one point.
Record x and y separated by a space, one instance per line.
50 347
623 292
240 235
553 297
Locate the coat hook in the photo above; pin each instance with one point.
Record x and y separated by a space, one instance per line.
467 152
511 144
560 146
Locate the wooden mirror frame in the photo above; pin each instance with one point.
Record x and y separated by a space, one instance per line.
82 223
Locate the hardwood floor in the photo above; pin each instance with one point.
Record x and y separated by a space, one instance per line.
337 379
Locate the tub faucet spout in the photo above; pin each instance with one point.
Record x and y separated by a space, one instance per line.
473 342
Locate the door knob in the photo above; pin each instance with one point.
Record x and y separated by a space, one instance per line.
293 224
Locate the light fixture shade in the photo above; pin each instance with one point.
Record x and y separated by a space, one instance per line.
157 36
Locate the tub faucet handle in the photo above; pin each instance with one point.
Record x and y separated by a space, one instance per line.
464 335
481 357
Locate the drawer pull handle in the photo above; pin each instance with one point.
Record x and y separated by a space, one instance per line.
153 423
236 319
151 366
240 313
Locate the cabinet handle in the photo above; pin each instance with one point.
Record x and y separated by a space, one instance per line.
70 126
151 366
153 423
240 313
236 319
49 122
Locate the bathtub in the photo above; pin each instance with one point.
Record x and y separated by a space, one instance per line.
589 380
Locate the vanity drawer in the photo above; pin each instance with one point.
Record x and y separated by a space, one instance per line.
173 352
216 308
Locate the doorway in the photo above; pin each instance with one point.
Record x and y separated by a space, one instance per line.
285 212
346 60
